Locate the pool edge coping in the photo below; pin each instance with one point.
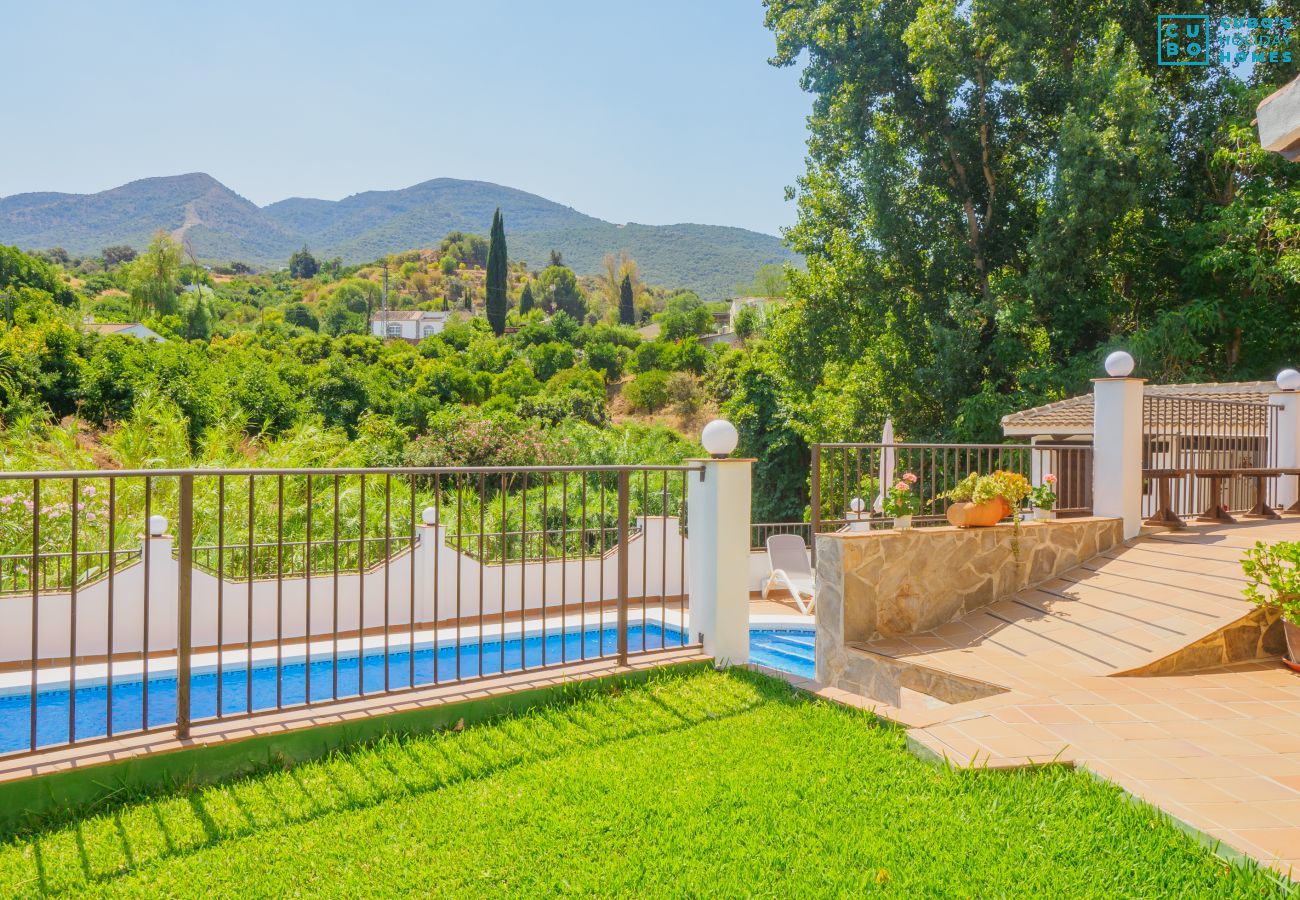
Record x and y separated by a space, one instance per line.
76 780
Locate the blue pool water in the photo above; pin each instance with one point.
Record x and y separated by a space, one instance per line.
789 651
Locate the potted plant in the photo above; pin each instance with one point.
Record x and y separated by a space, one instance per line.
901 502
1043 498
982 500
1274 573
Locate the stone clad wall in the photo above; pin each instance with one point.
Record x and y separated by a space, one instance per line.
881 584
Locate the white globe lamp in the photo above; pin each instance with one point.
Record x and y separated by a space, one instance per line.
857 505
157 525
429 516
719 438
1288 380
1119 364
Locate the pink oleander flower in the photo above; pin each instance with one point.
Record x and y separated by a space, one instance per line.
89 490
29 504
7 499
902 486
1049 478
909 478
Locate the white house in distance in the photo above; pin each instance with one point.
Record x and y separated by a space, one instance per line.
408 324
761 305
129 329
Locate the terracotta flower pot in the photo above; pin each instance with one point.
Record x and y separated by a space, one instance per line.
1292 633
979 515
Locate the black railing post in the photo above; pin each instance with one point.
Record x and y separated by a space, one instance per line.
623 495
815 500
184 607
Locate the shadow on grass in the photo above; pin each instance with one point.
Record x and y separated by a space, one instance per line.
180 820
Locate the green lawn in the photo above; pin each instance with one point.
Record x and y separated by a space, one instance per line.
691 784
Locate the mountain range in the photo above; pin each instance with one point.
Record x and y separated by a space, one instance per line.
219 225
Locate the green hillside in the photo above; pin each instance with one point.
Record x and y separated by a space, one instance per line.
219 225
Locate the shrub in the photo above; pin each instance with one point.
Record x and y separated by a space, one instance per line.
607 359
684 392
648 392
1274 573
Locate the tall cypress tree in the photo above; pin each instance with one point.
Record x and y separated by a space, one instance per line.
496 276
626 311
526 301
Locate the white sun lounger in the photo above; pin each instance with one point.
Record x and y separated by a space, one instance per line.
791 568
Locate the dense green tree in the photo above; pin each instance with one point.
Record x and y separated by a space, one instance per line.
626 309
607 359
548 359
300 315
198 318
648 392
750 386
155 277
746 324
303 265
685 316
526 301
495 282
996 192
347 311
470 249
25 277
117 254
559 290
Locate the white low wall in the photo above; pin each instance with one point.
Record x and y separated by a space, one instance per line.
446 584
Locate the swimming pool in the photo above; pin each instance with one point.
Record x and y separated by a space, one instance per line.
780 649
786 649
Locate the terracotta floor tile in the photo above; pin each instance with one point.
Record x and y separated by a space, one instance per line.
1188 791
1053 715
1283 843
1286 806
1259 790
1236 815
1141 768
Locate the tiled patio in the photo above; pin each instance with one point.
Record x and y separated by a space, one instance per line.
1217 748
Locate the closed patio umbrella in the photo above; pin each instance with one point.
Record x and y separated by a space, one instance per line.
886 463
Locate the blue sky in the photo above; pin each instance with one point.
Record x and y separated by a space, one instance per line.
656 112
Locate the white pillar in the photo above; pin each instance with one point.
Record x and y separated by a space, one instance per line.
425 560
1117 451
1286 443
719 558
163 571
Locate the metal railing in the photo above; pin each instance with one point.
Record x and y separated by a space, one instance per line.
759 532
283 588
1200 445
56 570
290 557
846 478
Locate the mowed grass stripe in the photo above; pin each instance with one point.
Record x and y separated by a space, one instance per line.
718 784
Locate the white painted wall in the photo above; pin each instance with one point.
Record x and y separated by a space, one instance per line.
719 502
1117 451
446 582
1287 442
411 329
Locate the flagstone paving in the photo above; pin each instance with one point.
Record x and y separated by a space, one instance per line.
1217 748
